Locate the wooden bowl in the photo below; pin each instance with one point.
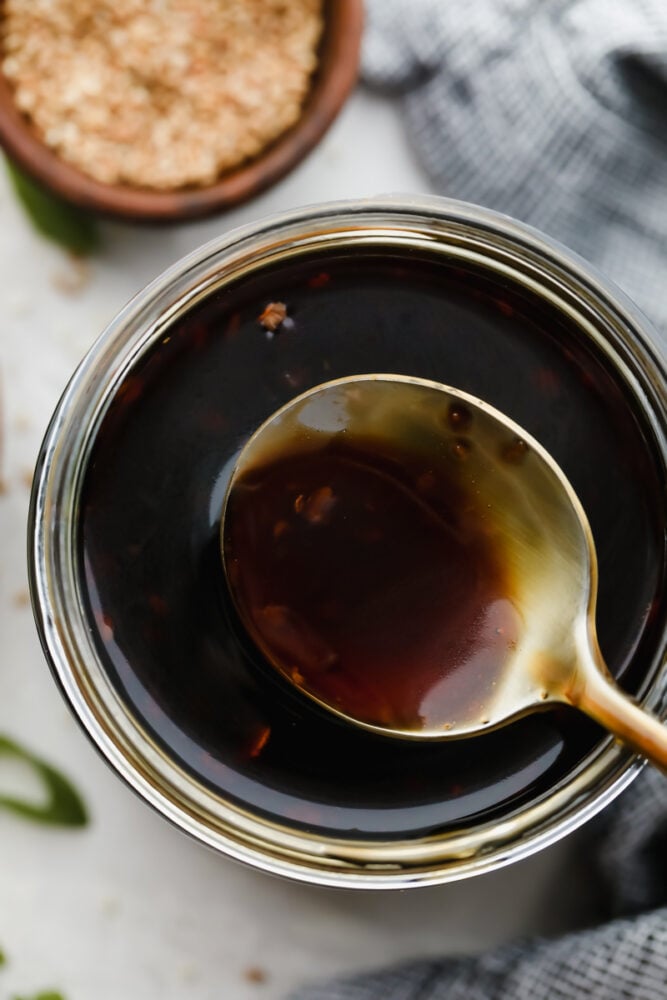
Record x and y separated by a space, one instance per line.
333 80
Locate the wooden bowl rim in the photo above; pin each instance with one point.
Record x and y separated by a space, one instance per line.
334 80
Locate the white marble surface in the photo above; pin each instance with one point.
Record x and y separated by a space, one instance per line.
129 907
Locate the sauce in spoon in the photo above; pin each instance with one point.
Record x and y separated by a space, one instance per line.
373 579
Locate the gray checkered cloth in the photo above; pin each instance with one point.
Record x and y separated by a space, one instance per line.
554 112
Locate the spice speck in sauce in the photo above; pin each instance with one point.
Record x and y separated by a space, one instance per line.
515 452
319 280
273 316
459 417
260 741
461 449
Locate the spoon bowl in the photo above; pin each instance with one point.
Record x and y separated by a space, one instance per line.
525 613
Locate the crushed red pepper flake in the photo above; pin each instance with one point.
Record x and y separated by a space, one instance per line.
504 307
273 316
260 741
320 280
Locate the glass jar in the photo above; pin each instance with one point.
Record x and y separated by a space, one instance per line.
126 579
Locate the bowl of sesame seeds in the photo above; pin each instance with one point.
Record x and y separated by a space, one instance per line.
172 110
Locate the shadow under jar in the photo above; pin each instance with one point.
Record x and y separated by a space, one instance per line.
127 581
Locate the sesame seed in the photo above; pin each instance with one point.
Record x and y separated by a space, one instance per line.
159 94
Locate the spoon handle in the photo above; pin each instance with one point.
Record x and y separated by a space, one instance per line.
600 698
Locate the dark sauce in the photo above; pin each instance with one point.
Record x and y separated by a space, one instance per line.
149 535
370 578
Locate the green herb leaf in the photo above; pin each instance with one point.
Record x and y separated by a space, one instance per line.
48 995
63 806
3 958
71 227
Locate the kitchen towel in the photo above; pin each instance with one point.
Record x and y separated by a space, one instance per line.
554 112
551 111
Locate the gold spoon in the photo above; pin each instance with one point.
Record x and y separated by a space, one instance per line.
535 521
